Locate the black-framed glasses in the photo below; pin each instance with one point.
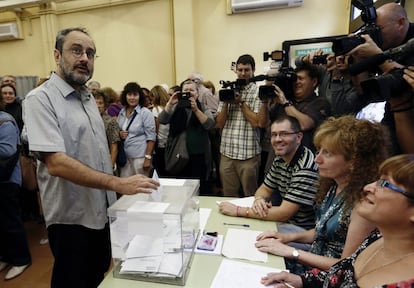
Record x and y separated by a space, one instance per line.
78 52
385 183
283 134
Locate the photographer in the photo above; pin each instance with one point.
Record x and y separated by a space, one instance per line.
186 114
335 82
305 106
240 120
395 31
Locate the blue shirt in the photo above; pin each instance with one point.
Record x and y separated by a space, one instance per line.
140 132
9 139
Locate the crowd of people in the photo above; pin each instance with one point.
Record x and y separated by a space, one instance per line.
337 225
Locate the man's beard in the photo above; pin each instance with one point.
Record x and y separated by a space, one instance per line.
75 79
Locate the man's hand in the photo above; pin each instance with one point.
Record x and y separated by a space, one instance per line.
261 207
237 99
365 50
136 184
280 96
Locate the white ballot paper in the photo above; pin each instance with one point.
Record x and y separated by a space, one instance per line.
239 243
171 182
146 217
156 195
244 202
234 274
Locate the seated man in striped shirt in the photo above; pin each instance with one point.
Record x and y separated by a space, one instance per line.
288 191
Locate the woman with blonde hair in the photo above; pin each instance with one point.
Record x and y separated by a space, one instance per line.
349 153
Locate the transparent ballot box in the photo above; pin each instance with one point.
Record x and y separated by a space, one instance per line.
153 237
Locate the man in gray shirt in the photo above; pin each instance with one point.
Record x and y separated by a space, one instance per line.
65 131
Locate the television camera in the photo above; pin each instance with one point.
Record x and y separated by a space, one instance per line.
343 45
284 77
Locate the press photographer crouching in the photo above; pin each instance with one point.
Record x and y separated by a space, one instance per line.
303 104
390 86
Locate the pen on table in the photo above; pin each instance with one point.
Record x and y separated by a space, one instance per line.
236 224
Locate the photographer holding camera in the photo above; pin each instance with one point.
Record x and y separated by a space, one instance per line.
305 105
186 114
240 119
335 82
395 31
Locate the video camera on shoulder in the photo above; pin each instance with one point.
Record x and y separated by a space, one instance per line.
184 99
284 78
230 89
343 45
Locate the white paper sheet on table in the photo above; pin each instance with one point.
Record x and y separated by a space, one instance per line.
239 243
234 274
244 202
204 215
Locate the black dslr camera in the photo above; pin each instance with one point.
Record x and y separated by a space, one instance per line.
391 84
343 45
383 87
320 59
184 99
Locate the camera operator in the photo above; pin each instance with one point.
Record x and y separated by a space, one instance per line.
240 120
395 31
309 108
335 82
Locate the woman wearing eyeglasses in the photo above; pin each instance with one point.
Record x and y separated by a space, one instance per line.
349 153
386 257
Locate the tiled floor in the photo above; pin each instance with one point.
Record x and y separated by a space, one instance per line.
38 274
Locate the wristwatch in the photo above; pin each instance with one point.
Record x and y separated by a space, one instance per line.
295 254
147 156
287 104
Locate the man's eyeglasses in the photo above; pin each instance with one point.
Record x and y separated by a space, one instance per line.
387 184
78 52
283 134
